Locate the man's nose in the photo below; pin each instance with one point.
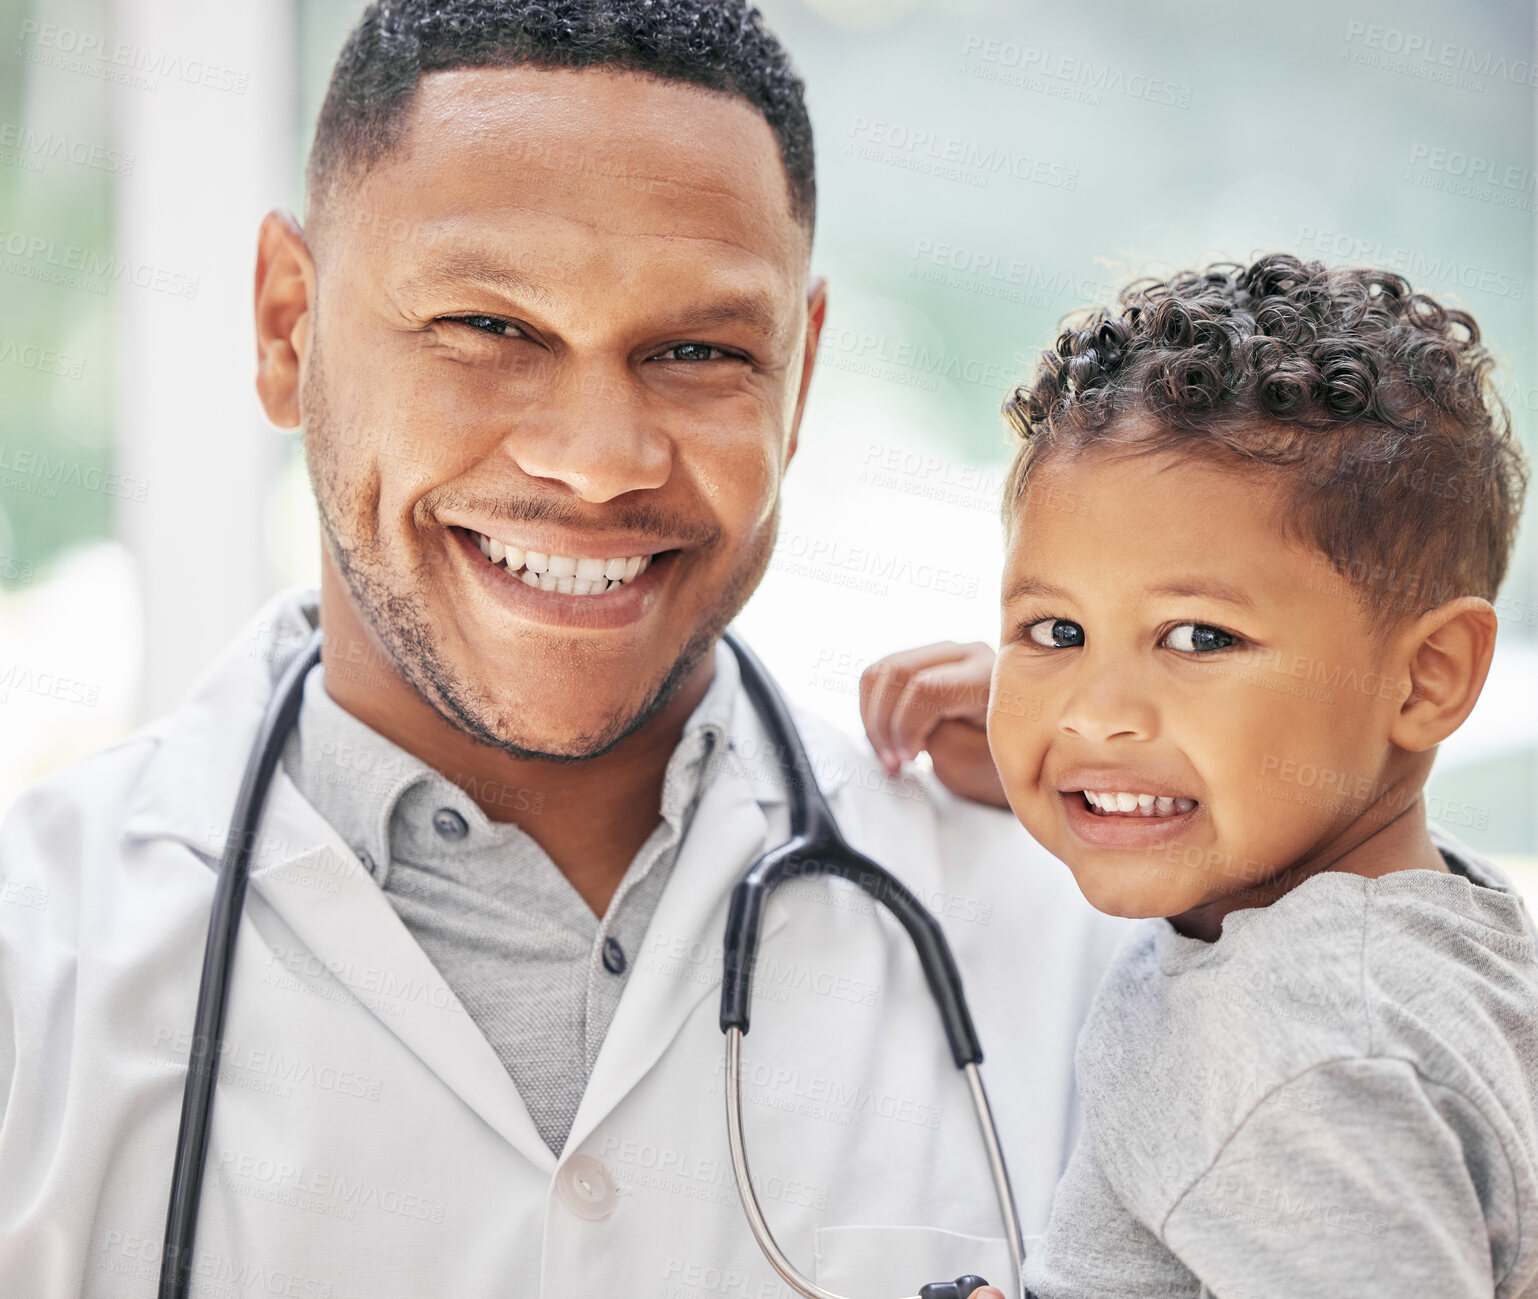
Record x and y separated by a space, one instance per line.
596 433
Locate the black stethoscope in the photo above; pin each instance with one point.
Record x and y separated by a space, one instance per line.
814 848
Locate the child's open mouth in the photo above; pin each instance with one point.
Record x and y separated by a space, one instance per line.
1119 803
1126 818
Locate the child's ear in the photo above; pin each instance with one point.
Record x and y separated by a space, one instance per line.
1447 657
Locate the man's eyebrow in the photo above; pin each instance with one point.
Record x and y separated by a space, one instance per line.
756 310
1207 587
463 272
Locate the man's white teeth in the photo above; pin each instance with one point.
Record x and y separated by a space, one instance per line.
569 575
1115 803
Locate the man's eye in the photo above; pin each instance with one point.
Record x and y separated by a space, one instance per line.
694 352
1056 633
1198 638
488 325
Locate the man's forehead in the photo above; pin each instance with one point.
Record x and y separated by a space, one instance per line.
623 153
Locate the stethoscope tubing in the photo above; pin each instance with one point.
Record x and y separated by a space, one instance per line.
816 847
213 988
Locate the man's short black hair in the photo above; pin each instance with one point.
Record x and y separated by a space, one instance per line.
722 45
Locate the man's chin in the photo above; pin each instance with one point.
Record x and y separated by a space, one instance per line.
559 711
565 739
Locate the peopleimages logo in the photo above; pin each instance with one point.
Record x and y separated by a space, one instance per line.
18 140
34 256
951 157
1064 76
1426 57
1415 264
49 45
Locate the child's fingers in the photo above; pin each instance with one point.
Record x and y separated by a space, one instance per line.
954 691
963 763
882 684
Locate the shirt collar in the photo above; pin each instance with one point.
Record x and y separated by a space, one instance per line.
358 780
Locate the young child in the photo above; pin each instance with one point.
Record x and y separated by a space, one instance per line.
1255 525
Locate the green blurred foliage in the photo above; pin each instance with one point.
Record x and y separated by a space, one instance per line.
55 343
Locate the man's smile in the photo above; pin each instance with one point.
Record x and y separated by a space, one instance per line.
567 590
567 574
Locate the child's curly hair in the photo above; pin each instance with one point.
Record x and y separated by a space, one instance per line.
1373 399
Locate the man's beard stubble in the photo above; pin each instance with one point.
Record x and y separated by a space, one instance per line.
393 612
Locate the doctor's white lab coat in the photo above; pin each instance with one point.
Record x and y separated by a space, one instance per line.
366 1141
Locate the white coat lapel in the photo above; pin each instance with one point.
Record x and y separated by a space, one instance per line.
741 815
315 884
680 960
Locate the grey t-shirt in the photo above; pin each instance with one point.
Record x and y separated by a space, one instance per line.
1335 1099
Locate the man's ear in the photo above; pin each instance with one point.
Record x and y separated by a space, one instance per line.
285 291
816 313
1447 657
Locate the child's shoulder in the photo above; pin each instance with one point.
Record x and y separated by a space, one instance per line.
1188 1040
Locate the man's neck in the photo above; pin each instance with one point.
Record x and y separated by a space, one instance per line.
591 817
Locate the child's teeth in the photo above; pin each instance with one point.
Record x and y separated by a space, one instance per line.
1117 803
569 574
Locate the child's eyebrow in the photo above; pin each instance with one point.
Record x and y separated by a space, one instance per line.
1208 587
1205 586
1034 586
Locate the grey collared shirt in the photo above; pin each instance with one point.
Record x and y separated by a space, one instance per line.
535 969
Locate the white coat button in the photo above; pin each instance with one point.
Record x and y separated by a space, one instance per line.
586 1187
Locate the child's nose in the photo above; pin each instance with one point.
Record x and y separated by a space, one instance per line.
1109 707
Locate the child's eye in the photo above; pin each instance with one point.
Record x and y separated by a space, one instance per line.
1056 633
1198 638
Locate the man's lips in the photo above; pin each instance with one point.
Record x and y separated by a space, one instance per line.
620 602
569 574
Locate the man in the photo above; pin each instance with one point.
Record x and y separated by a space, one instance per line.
549 330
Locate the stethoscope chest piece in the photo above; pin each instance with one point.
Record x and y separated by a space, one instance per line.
961 1288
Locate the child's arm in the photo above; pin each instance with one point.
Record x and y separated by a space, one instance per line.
934 698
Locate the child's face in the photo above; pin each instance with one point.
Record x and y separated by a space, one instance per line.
1193 657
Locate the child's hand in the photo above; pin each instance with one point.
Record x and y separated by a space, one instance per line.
934 698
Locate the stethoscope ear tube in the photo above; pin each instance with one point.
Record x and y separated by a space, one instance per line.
817 848
213 990
799 860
